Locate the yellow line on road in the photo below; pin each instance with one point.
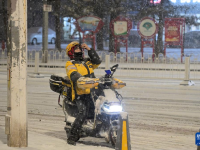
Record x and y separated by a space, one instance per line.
124 137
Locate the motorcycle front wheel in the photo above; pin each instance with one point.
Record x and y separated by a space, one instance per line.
113 136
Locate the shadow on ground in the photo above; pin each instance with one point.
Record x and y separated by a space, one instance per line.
86 141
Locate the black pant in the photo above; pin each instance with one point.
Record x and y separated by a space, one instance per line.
83 103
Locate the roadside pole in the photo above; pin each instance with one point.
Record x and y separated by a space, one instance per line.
198 147
16 118
46 9
36 63
187 80
123 134
107 62
36 73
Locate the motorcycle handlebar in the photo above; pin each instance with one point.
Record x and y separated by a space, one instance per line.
104 80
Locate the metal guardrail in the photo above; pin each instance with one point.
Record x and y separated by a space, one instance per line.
131 64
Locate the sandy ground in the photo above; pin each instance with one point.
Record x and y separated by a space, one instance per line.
162 115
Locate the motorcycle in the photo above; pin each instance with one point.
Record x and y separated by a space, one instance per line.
103 118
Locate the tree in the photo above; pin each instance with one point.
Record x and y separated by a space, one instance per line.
63 8
158 12
78 9
5 19
161 11
56 4
57 23
115 11
99 10
113 8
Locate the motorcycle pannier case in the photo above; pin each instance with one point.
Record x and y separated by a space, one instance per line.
56 83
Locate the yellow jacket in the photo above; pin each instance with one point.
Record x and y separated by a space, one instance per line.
85 68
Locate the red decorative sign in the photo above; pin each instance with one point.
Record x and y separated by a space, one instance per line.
147 29
89 23
172 31
120 28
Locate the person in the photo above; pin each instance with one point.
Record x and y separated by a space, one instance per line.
77 68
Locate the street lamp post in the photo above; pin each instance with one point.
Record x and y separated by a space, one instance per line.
45 33
46 10
16 117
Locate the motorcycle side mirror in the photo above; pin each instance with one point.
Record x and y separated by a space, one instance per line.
113 68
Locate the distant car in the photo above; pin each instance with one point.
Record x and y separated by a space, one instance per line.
35 35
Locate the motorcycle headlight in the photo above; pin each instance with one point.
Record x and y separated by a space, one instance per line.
112 108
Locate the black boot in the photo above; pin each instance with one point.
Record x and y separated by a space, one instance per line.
71 142
73 137
82 133
83 107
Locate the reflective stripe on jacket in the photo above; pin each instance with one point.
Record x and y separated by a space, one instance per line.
85 68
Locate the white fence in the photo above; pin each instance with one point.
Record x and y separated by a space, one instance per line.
130 64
